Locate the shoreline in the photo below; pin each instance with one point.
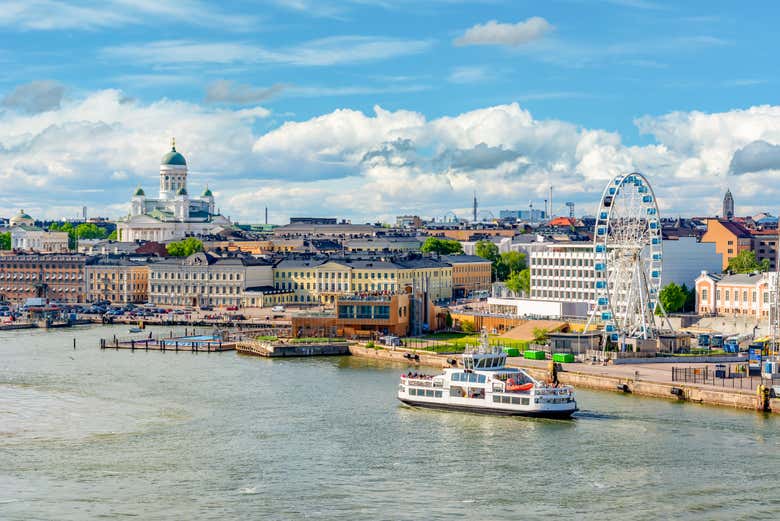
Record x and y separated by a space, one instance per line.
601 378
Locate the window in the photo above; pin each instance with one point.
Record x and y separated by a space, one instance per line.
704 294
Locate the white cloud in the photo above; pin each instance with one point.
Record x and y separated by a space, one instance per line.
347 163
226 91
512 35
336 50
44 15
36 96
469 74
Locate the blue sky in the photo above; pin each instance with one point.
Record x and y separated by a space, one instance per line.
563 91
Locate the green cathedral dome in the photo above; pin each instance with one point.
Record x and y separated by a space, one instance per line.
173 157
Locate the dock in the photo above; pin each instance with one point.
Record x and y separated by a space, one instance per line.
195 344
291 349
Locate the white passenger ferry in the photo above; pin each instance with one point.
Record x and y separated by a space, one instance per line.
486 385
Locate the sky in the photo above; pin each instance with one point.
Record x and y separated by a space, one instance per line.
368 109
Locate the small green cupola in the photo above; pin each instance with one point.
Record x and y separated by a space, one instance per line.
139 192
207 192
173 158
182 191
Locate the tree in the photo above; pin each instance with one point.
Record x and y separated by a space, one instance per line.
508 263
672 298
486 250
184 248
5 241
467 326
525 281
112 236
745 262
441 246
540 335
513 283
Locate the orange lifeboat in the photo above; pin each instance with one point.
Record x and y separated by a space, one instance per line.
513 387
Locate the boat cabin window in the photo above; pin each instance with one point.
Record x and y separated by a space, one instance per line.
469 377
456 391
468 363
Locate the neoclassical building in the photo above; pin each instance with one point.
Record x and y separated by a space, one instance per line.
173 214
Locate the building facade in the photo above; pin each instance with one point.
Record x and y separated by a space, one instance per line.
730 238
470 273
30 238
747 295
205 279
562 272
56 277
323 280
173 214
116 280
358 316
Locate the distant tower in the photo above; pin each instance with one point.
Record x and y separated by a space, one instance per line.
84 213
475 206
728 205
266 215
571 209
551 203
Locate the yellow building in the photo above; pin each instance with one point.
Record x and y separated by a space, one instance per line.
321 281
119 281
470 273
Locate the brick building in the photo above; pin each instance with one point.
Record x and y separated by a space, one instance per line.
55 276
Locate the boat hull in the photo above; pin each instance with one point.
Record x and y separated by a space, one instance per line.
561 414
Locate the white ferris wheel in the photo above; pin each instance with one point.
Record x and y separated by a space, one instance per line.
628 253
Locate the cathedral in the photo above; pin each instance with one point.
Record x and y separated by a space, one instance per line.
173 214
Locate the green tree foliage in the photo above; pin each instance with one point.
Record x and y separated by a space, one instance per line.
513 283
5 241
540 335
81 231
184 248
508 263
112 236
745 262
672 298
519 281
467 326
525 280
486 250
441 246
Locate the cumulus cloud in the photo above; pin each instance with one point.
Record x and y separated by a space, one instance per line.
512 35
226 91
83 143
756 156
36 96
364 166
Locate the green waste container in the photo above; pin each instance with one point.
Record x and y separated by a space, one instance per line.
564 358
512 351
534 355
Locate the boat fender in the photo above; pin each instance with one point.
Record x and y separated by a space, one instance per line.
624 388
417 357
677 391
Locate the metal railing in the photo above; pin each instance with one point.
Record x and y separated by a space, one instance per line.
734 376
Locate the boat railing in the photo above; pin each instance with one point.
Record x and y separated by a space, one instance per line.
416 382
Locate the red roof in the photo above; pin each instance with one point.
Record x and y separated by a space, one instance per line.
563 221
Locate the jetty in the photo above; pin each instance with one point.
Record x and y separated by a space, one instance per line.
191 343
274 349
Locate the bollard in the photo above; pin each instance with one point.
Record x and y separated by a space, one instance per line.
74 343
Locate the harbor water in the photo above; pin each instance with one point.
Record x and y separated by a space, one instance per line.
87 434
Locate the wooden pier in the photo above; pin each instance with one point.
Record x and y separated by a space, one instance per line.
168 344
277 349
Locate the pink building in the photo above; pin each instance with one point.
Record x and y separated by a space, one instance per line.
735 295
